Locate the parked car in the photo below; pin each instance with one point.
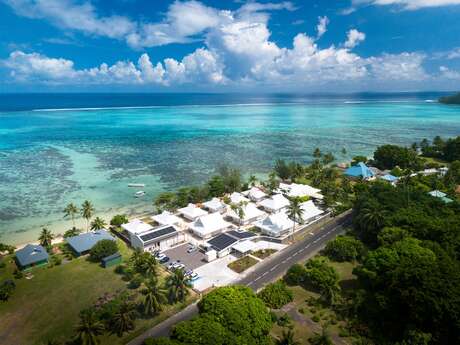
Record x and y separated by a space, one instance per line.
194 276
160 256
188 272
165 259
192 249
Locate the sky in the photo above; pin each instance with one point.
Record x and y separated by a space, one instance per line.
229 46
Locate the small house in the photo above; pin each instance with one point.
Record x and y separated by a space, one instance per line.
83 243
31 255
360 170
111 260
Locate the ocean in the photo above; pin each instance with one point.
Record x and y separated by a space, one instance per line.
61 148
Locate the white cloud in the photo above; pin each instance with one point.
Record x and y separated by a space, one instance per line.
408 4
404 66
448 73
321 28
354 37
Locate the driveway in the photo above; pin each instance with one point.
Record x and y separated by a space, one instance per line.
215 273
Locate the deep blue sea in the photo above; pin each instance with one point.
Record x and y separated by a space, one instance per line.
61 148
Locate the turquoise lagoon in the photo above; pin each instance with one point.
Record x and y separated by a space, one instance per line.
49 158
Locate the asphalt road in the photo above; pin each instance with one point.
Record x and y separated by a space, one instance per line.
266 272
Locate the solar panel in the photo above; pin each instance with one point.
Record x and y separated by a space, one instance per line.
241 234
222 241
157 233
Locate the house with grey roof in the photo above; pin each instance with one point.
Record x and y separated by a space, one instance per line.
83 243
30 256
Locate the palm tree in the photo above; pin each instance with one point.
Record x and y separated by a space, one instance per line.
89 328
144 263
287 338
322 338
295 212
154 297
317 153
239 209
372 217
178 284
70 212
252 180
98 224
123 319
46 237
87 211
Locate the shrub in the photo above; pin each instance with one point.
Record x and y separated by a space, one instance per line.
102 249
344 248
2 264
295 275
56 260
276 295
284 320
120 269
6 289
316 318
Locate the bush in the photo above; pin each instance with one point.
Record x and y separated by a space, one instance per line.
316 318
284 320
120 269
6 289
18 274
118 220
276 295
344 248
102 249
56 260
135 282
295 275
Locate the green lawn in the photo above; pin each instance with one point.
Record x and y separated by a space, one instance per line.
47 306
242 264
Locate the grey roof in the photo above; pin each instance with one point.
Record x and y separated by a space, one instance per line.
241 234
155 234
111 257
222 242
31 254
84 242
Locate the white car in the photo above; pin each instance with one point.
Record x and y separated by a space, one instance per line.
160 256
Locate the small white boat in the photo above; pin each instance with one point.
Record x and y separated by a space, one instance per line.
139 194
136 185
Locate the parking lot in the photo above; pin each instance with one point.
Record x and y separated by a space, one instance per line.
190 260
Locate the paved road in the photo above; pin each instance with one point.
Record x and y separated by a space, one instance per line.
265 272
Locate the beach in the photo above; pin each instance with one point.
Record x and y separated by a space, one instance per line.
49 157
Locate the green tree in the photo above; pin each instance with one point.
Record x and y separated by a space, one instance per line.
452 177
324 278
98 224
6 289
451 150
144 263
71 211
370 220
239 209
204 330
118 220
252 181
154 297
389 156
282 169
89 328
295 275
344 248
276 295
295 211
287 338
317 153
165 201
102 249
87 211
390 235
357 159
178 284
71 232
328 158
123 319
239 311
45 238
216 186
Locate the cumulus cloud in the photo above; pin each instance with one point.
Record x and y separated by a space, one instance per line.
354 37
449 73
407 4
404 66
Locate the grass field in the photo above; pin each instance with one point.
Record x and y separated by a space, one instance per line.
48 305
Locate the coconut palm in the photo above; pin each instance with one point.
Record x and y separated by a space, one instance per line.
317 153
322 338
287 338
87 211
295 212
144 263
178 284
46 237
71 211
252 180
372 217
98 224
89 328
123 319
155 296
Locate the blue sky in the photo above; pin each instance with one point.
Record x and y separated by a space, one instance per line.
210 45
